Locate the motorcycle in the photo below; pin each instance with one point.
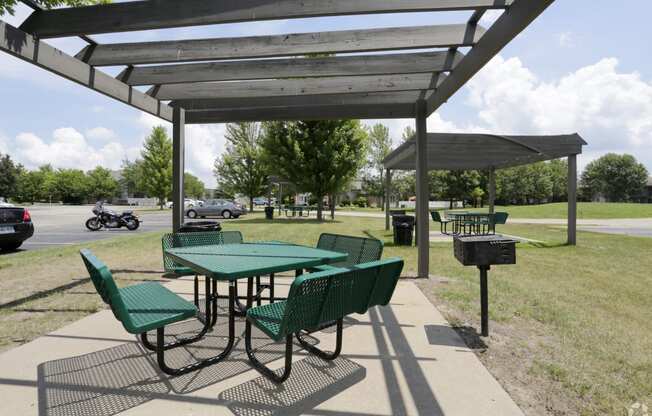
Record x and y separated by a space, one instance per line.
111 219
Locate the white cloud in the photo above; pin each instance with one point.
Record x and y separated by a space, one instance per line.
566 39
67 149
101 134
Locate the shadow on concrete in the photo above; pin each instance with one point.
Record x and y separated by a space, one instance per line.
313 381
442 335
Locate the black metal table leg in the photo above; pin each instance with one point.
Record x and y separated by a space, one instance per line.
484 301
160 336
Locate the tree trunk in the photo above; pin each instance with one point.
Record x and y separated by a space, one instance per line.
251 204
320 208
331 202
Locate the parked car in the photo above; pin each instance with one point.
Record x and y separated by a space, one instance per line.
15 226
216 208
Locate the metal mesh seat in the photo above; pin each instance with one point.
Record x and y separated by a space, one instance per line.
319 298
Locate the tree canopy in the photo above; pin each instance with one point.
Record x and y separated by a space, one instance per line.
380 145
7 6
618 178
101 184
157 164
9 174
192 186
319 157
242 169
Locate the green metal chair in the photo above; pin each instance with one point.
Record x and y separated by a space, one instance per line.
144 307
176 240
443 223
360 249
497 218
320 298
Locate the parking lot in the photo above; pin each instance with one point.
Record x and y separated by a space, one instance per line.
64 225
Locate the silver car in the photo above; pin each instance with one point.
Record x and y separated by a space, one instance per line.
216 208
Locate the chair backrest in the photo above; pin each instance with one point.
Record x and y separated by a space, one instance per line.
500 217
316 298
206 238
360 249
104 284
435 216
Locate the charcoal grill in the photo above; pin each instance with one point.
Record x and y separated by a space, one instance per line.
483 252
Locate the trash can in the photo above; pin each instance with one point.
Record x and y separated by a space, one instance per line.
403 227
393 212
269 213
199 226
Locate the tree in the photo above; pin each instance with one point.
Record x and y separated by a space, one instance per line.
71 185
101 184
616 177
379 147
9 174
157 164
558 172
241 168
320 157
7 6
133 177
408 133
192 186
459 184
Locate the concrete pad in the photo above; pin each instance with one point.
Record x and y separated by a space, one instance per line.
403 359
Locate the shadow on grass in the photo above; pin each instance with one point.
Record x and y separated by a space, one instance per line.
44 293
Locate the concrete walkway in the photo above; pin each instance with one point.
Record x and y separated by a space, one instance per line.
403 359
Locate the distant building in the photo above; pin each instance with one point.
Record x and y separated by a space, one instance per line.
648 190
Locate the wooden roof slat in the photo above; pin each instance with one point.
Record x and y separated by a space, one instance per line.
25 47
286 87
292 68
318 112
293 44
159 14
370 98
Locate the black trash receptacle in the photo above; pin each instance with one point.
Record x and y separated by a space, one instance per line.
269 213
403 226
199 226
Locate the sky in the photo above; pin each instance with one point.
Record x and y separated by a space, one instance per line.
583 66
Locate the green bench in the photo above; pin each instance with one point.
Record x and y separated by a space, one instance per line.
145 307
360 249
320 298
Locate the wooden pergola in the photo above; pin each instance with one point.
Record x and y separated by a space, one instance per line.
467 151
397 72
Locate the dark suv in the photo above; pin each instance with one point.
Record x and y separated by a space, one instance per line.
15 226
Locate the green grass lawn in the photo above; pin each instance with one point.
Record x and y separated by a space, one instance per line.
585 210
583 313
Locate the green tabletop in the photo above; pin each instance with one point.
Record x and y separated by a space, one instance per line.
235 261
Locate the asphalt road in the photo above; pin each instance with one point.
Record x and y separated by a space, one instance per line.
64 225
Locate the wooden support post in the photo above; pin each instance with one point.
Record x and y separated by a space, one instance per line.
178 162
423 234
572 200
388 187
492 190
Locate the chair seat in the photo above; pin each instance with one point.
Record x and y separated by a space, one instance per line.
151 306
268 318
183 271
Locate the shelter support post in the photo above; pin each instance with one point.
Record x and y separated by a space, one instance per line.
572 200
388 187
423 233
178 161
492 190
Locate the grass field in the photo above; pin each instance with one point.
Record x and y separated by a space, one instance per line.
585 210
571 326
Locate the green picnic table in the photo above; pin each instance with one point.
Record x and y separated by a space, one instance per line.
230 262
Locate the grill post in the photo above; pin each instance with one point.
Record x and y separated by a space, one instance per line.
484 300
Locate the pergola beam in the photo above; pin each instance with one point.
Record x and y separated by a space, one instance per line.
159 14
323 112
292 87
370 98
512 22
343 41
26 47
406 63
